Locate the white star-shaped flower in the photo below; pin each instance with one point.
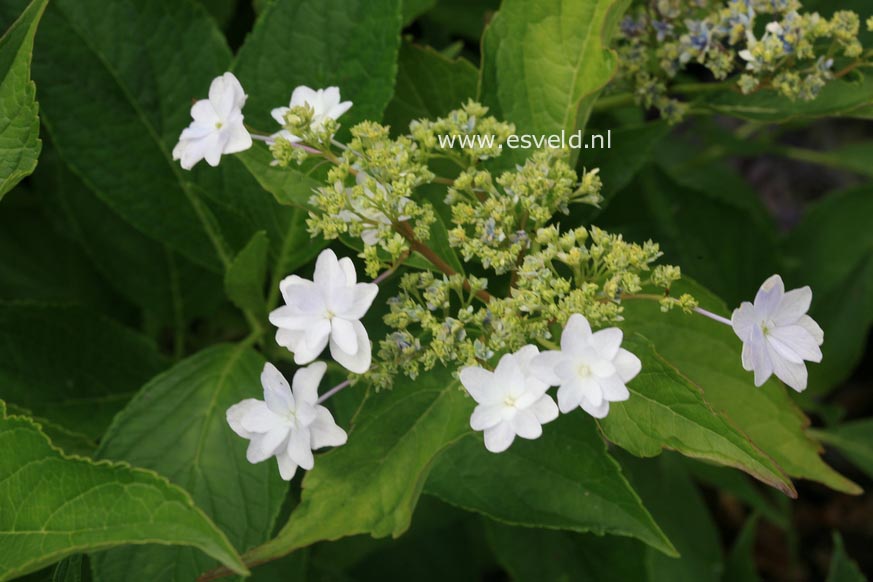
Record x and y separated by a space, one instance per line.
327 309
288 423
777 333
590 370
511 400
217 127
325 103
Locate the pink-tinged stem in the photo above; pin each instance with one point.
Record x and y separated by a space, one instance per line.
713 316
333 391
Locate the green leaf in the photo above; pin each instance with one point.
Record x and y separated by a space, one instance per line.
68 441
668 411
451 19
348 43
832 252
854 440
412 9
146 61
843 568
740 564
166 286
732 255
534 555
372 484
838 97
70 365
563 480
708 354
52 506
244 279
176 426
19 119
38 262
740 486
545 61
429 85
676 504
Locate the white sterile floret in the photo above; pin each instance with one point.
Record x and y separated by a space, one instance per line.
511 400
288 423
777 334
327 309
217 127
325 103
590 370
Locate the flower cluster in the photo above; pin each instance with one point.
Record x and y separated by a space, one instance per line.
495 278
755 44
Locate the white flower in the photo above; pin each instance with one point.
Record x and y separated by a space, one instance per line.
217 127
777 334
288 424
329 307
325 103
591 369
512 401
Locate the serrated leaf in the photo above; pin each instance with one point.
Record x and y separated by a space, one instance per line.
244 279
19 120
176 426
667 411
708 353
545 61
429 85
71 365
371 484
52 506
563 480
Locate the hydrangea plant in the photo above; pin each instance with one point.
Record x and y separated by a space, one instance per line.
281 284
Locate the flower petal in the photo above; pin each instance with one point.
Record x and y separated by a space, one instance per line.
769 297
526 425
237 412
277 392
348 268
743 319
226 94
299 448
312 343
263 446
569 396
627 365
287 467
359 361
597 411
362 297
793 306
543 366
486 415
606 342
545 409
576 334
796 339
342 333
613 389
306 380
499 437
238 140
477 381
324 431
809 324
302 95
792 373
